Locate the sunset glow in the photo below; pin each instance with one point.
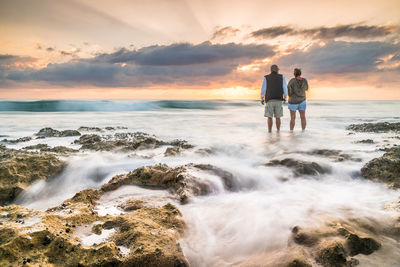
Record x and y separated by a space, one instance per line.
197 50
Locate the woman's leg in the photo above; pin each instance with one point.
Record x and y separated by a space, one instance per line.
303 119
292 119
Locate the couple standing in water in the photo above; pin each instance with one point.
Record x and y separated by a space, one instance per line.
274 90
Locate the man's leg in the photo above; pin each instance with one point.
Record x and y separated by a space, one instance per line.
278 124
292 119
269 124
303 119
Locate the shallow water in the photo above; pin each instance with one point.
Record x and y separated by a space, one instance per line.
225 228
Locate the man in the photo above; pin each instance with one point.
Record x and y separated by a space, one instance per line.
273 92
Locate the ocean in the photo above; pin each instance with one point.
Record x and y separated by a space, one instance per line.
225 228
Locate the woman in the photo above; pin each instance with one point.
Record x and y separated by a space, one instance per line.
297 88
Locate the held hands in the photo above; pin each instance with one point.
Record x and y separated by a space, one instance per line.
284 100
262 102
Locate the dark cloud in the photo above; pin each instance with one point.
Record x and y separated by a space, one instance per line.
327 33
70 53
341 57
273 32
154 65
186 54
224 32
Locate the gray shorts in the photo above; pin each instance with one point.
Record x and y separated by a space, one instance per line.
273 108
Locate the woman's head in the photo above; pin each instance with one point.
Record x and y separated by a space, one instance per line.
297 72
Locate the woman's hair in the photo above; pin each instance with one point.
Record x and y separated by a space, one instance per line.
297 72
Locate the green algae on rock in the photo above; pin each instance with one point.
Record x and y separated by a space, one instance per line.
385 169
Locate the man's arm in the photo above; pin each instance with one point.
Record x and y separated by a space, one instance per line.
285 90
263 90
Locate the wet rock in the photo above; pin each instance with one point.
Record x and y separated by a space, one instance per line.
204 151
337 155
97 229
298 263
69 133
357 245
172 151
300 167
153 232
89 129
19 140
177 179
332 255
50 132
46 148
302 238
366 141
227 177
21 170
120 142
384 169
379 127
132 204
181 143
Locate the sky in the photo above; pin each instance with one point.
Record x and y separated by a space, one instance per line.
192 49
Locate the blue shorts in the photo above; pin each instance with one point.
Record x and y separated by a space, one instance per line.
302 106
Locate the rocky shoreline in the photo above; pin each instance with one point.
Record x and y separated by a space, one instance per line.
145 233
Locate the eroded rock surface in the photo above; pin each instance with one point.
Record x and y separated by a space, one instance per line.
19 170
300 167
379 127
50 132
333 246
179 180
384 169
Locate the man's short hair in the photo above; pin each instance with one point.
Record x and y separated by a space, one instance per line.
297 72
274 68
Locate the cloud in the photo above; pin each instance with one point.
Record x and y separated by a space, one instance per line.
357 31
186 54
181 63
221 33
338 57
273 32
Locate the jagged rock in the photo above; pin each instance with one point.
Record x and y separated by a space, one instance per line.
150 234
227 177
357 245
21 170
337 155
384 169
49 132
172 151
90 129
19 140
366 141
300 167
298 263
46 148
379 127
181 143
66 133
132 204
302 238
332 255
177 179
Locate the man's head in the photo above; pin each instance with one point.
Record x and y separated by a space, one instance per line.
297 72
274 68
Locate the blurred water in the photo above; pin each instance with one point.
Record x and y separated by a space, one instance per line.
225 227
